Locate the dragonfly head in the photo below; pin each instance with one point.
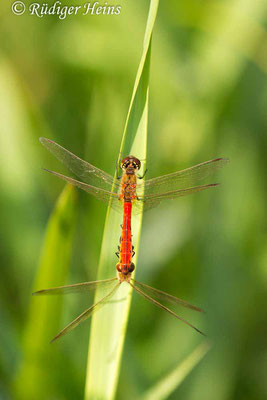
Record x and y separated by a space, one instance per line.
124 274
130 163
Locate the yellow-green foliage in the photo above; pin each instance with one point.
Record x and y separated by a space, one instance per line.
34 378
72 81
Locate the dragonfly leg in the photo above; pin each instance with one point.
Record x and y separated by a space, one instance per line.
118 171
117 254
133 253
142 177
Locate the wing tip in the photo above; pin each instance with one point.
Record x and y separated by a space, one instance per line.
38 292
48 170
224 159
199 309
43 140
54 339
213 184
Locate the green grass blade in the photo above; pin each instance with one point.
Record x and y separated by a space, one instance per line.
139 101
163 389
34 376
108 327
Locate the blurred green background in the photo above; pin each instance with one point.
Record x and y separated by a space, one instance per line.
71 80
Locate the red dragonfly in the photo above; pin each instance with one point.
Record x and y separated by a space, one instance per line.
127 194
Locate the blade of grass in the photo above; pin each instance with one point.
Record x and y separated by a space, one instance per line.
108 326
163 389
34 375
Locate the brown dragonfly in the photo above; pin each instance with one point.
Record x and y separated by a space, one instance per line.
127 195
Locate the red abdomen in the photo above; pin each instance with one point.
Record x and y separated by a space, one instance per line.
126 239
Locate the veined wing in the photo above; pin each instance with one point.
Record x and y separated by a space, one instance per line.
101 194
146 296
181 179
76 288
165 296
86 314
151 201
85 171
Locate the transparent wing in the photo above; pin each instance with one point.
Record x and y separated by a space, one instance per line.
100 194
181 179
146 296
144 202
165 296
151 201
85 171
86 314
76 288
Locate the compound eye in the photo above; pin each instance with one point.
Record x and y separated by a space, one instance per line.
137 164
118 267
132 267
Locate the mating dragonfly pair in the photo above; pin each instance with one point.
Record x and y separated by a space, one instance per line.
130 195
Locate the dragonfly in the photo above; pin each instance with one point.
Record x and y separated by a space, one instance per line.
130 196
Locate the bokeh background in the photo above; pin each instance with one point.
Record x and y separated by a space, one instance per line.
71 80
